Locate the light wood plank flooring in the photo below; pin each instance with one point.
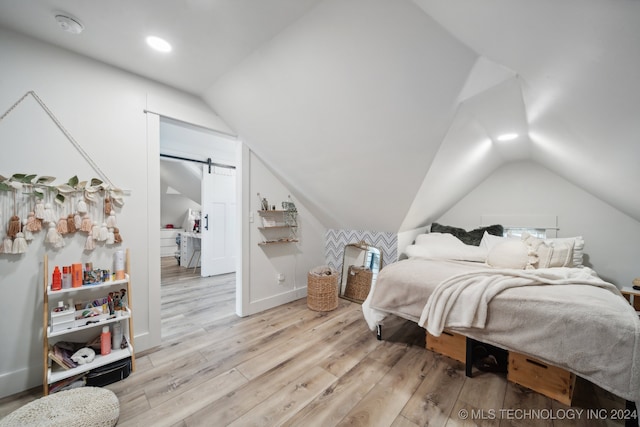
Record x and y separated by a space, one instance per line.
292 366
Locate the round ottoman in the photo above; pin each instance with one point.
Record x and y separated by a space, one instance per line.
81 407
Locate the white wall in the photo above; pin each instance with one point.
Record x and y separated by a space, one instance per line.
611 237
103 109
173 208
370 86
261 264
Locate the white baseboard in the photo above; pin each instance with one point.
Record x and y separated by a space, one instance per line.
20 380
274 301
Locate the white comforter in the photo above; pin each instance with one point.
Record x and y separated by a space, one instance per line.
566 317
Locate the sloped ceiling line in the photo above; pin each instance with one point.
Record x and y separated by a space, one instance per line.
490 103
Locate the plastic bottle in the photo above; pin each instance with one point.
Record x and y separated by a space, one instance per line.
105 341
56 282
66 277
116 339
119 264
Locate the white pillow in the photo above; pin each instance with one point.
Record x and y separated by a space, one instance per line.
509 253
578 248
444 246
489 241
542 255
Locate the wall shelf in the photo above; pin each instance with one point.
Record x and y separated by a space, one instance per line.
278 226
276 242
271 212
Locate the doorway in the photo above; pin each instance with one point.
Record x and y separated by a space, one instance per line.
197 171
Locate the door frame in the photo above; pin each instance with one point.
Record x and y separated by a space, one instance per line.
153 221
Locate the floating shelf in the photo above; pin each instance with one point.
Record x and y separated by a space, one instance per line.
271 212
274 224
276 242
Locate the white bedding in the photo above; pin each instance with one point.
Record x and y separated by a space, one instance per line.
462 301
567 317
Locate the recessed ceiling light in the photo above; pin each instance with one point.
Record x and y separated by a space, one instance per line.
69 25
507 137
161 45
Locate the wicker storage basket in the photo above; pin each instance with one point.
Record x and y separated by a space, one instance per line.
358 283
322 289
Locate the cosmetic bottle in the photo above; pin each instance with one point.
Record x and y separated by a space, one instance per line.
105 341
66 277
56 282
116 339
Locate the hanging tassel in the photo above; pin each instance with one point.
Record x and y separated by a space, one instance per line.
39 210
48 214
117 238
62 226
53 236
90 243
111 238
32 224
95 230
19 244
14 226
86 223
82 206
71 224
28 235
104 232
111 221
77 220
7 245
107 206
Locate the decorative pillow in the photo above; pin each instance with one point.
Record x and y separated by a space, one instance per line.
542 255
578 248
473 237
509 253
444 246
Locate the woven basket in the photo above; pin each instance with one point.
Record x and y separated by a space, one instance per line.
358 283
322 289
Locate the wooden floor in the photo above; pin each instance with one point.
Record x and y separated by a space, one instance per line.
295 367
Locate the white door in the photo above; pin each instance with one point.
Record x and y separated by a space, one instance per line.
217 223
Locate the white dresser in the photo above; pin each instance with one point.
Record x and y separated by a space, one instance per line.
168 245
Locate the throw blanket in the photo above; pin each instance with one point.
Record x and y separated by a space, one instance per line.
462 301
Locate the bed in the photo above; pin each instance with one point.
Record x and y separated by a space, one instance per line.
527 295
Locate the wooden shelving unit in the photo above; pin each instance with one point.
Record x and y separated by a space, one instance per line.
53 373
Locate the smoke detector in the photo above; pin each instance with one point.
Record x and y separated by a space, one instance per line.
69 25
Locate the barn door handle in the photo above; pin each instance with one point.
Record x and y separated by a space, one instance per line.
206 222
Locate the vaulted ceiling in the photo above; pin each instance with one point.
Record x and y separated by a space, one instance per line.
382 114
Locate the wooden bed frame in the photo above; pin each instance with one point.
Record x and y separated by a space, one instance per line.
533 383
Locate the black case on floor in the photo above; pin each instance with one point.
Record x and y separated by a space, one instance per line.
110 373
